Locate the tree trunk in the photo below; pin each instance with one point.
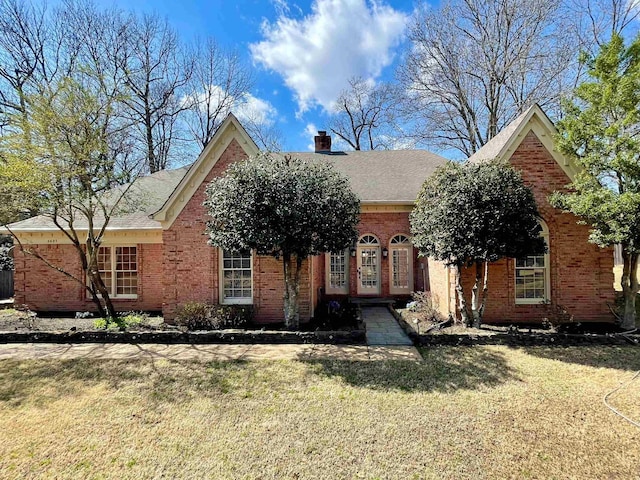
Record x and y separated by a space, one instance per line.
462 303
291 291
100 287
629 283
474 296
485 292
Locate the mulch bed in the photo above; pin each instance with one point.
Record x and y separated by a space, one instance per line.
511 336
23 328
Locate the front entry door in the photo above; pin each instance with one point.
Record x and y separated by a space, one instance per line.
368 265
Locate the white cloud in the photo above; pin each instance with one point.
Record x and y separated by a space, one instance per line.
311 131
255 109
317 54
246 107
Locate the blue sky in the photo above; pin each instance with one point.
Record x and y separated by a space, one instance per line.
301 52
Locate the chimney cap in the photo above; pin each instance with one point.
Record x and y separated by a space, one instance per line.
322 133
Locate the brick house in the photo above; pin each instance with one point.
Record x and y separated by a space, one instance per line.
158 258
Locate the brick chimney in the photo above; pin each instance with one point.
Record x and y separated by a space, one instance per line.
323 142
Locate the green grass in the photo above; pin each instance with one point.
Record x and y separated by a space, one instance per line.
474 412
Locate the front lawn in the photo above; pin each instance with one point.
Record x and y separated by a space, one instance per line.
466 412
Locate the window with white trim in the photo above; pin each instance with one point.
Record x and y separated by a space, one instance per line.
401 253
118 267
337 268
236 277
532 275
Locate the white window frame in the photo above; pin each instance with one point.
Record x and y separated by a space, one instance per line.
544 233
233 300
114 286
329 290
401 245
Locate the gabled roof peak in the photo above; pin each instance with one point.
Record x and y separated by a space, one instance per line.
497 146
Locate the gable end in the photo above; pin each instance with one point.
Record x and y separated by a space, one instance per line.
230 130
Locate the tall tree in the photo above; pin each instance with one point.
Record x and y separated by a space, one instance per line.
157 71
286 208
600 132
364 115
25 38
471 215
474 65
219 85
71 161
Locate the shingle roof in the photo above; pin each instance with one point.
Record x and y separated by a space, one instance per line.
389 176
494 147
149 192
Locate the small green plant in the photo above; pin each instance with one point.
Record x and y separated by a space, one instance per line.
207 316
122 322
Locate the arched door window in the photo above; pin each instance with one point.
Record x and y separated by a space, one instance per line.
368 253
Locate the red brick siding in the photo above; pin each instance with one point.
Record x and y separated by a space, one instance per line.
581 273
43 289
191 266
384 226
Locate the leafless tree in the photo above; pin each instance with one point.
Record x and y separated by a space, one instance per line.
262 130
364 114
156 72
474 65
219 85
597 20
23 44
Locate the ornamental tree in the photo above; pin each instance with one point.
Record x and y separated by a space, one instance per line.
473 214
286 208
600 132
69 160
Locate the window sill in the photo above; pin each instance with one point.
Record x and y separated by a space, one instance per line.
531 301
238 301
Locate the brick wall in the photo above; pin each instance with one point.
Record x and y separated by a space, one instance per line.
44 289
581 273
384 226
191 266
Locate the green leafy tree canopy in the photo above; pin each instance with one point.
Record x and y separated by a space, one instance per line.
600 132
284 207
473 214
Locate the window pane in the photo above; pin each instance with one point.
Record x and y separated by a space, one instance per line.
104 259
236 275
400 267
126 271
338 270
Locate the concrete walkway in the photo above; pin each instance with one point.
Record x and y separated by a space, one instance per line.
382 328
118 351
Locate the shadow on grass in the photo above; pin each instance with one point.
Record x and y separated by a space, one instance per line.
38 382
443 370
601 356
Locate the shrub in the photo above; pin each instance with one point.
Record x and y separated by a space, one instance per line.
335 315
207 316
556 316
121 322
425 305
6 260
